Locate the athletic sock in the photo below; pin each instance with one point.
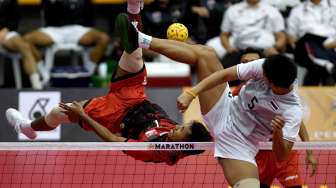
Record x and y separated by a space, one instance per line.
144 40
26 123
35 81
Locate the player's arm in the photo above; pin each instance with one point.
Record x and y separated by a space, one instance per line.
280 146
310 159
216 79
75 113
211 81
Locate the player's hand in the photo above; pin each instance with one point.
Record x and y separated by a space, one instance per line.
270 51
183 101
311 161
249 57
74 111
278 123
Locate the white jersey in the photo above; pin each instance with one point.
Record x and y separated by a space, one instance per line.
255 27
239 123
318 19
256 105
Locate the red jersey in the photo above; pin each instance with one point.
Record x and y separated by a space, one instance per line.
125 93
143 121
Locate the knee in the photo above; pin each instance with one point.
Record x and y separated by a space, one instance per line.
55 117
206 52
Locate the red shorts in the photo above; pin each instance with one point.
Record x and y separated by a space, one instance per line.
286 172
125 93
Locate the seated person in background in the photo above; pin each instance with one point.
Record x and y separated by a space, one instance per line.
13 42
160 14
312 34
205 17
284 6
69 22
260 26
124 114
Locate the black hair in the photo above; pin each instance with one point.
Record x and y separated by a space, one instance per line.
280 70
198 134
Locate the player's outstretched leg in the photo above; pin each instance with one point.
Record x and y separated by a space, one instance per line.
131 39
45 123
203 58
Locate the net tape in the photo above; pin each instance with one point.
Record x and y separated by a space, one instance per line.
97 146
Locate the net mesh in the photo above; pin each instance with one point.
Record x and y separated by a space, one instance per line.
96 166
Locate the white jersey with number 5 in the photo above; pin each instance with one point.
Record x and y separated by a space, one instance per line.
239 123
256 105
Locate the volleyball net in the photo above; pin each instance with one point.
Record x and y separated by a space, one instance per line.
101 164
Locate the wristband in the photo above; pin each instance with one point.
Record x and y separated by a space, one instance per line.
191 93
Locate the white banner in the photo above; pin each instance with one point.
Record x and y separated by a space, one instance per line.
33 105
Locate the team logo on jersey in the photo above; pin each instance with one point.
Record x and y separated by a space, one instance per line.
150 133
145 81
288 178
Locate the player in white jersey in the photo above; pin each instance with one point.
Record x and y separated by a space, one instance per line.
267 105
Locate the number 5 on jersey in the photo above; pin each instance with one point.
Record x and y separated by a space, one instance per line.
251 104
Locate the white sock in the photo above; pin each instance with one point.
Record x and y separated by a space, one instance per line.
35 81
26 123
144 40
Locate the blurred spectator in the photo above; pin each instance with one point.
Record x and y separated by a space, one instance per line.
312 33
157 16
208 14
11 41
160 14
260 26
68 21
284 6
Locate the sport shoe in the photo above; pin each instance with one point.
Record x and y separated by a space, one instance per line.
127 32
16 119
